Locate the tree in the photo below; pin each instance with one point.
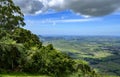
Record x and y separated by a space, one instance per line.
10 16
12 55
49 61
26 37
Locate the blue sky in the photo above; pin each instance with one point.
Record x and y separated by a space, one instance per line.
71 17
69 23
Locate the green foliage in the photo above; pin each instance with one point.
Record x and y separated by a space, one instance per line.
51 62
11 55
26 37
10 15
35 58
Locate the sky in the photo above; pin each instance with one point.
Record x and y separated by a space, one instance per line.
71 17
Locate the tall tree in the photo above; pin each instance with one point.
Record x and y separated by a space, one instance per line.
10 15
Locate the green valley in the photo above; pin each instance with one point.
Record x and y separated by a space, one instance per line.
102 52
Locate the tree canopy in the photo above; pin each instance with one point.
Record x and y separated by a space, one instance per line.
10 15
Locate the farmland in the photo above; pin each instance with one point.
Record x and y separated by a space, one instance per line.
102 52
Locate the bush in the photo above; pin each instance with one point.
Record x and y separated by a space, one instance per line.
11 56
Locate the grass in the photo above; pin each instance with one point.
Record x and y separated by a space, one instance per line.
17 74
21 75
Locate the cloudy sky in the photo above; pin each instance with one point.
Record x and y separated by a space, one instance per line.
71 17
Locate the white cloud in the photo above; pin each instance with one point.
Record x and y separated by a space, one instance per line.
58 21
77 20
89 7
30 6
57 4
83 7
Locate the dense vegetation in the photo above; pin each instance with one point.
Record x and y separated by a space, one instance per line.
102 52
22 51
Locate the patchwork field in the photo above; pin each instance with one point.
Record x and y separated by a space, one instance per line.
102 52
